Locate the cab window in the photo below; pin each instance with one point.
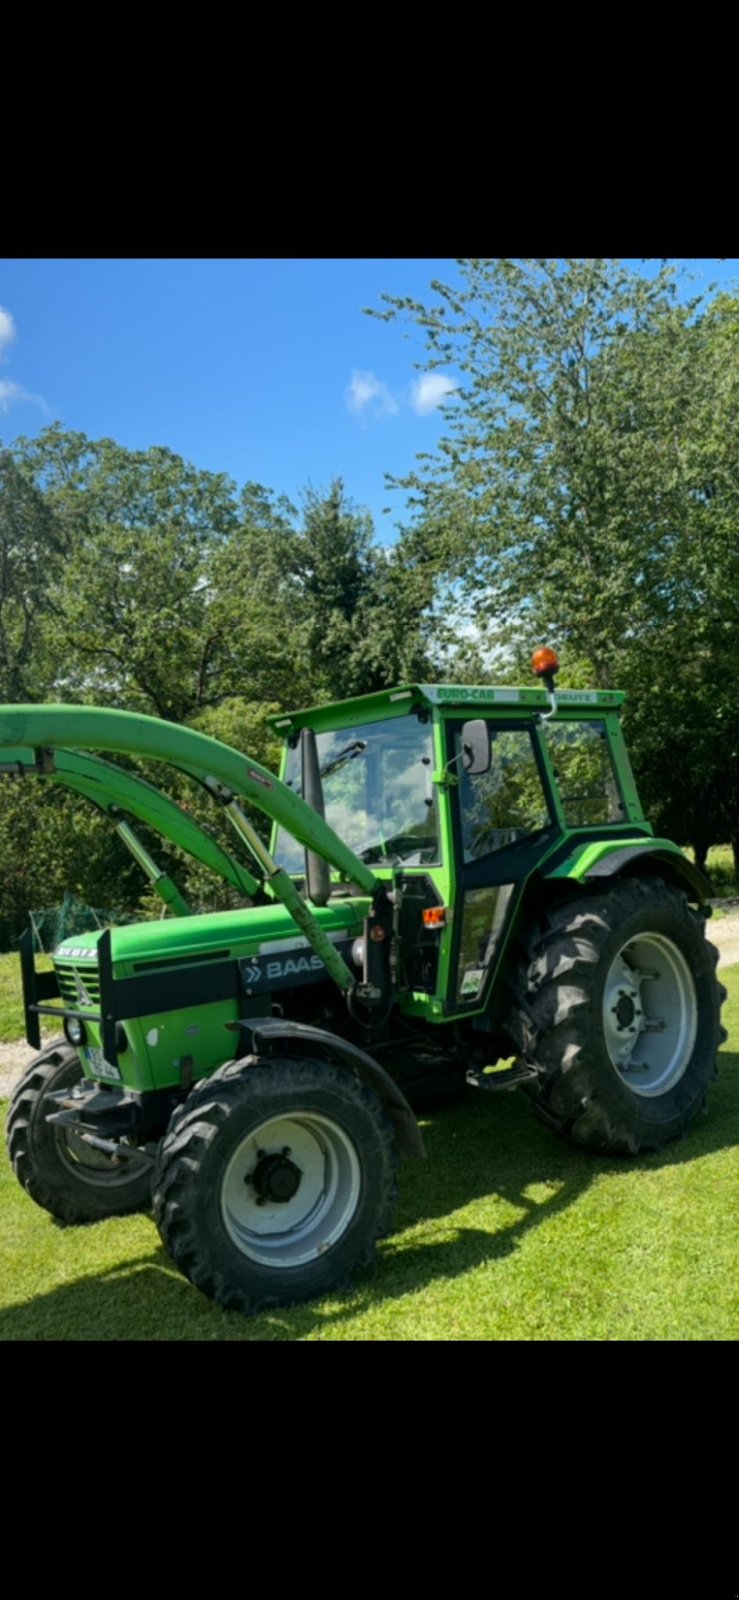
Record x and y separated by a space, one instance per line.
584 772
377 792
507 804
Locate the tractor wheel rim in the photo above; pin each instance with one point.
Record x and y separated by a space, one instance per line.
650 1014
94 1167
291 1189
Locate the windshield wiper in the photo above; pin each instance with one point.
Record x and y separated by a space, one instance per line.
348 754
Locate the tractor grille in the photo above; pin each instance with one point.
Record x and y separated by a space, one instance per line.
67 980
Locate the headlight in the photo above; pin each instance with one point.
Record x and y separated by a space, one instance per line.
75 1030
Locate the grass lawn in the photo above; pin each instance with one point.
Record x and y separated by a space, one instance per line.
720 869
11 1004
504 1233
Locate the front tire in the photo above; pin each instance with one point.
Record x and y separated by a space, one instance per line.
62 1173
618 1010
274 1181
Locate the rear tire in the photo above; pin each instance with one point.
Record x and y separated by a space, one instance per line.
274 1181
618 1010
65 1176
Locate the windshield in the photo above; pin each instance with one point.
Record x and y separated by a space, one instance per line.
377 791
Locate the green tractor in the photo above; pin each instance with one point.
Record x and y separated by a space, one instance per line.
461 893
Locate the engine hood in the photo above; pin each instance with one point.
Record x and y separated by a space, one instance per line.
230 933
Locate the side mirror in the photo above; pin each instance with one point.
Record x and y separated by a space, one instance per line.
476 748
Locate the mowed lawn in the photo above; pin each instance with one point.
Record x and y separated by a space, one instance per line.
504 1233
11 1003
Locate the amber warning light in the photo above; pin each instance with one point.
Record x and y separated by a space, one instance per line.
545 663
434 916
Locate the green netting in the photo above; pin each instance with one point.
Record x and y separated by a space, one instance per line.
52 924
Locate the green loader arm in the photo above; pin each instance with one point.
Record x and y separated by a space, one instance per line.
112 790
225 771
89 728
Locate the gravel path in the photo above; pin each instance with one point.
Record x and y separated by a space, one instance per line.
723 932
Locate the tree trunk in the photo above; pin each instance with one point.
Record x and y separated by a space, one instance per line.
701 851
735 852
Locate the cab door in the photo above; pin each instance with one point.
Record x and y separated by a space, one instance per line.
504 822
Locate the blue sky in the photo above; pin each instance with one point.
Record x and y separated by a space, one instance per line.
266 370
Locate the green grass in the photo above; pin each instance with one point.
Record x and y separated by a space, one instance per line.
720 869
504 1233
11 1003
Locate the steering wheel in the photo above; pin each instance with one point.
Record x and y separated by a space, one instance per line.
498 839
384 846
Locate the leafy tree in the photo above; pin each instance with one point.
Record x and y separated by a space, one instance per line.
586 493
53 844
330 613
133 600
32 548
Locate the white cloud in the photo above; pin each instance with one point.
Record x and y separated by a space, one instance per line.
13 394
429 390
7 330
369 396
10 392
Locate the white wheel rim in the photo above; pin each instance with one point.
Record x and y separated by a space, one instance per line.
94 1167
650 1014
289 1232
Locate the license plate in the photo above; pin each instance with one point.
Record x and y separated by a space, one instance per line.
99 1067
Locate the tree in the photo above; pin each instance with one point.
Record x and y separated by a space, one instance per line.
329 614
133 599
587 490
32 548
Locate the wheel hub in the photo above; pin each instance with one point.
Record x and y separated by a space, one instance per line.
291 1189
276 1178
650 1014
625 1009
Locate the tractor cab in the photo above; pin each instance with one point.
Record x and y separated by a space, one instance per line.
458 795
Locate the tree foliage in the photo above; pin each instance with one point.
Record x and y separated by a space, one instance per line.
587 492
131 578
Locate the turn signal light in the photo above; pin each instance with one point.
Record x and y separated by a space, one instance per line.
434 916
544 661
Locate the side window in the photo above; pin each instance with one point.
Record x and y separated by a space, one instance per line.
584 773
505 804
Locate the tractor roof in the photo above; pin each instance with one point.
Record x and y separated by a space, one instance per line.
449 696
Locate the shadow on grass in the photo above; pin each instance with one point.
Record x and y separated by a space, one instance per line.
488 1148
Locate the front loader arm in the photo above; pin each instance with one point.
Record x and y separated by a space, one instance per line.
112 790
91 728
226 773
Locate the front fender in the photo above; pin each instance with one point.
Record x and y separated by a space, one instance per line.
266 1031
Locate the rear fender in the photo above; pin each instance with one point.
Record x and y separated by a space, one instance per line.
593 861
